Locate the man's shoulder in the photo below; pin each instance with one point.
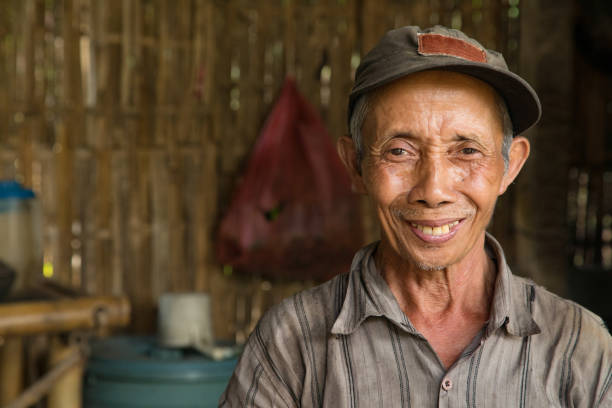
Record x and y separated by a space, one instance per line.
310 312
573 342
557 316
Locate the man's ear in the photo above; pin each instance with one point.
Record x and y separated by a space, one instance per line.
348 155
519 151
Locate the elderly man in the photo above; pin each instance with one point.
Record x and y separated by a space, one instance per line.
431 315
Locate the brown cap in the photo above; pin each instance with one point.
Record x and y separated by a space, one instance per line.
408 50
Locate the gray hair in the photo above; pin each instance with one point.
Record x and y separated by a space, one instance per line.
362 107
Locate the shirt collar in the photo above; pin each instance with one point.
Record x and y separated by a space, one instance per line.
512 298
368 295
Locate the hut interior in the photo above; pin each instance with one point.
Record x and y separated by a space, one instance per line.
132 121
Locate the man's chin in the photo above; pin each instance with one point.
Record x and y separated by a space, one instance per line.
431 260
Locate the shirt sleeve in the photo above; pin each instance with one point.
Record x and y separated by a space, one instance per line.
591 367
267 374
252 386
606 398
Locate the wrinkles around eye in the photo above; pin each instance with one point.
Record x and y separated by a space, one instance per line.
398 149
469 150
398 154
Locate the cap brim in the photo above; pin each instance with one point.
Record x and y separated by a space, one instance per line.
523 104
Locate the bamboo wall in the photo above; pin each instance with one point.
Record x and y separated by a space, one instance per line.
132 121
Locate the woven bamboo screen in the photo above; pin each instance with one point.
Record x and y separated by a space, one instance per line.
132 121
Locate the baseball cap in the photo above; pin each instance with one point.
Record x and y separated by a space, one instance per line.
409 49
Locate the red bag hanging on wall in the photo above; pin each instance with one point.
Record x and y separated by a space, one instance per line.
293 215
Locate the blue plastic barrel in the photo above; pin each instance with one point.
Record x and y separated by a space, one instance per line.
133 372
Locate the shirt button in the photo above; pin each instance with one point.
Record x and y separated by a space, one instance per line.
447 384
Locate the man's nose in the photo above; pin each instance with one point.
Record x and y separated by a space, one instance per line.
433 183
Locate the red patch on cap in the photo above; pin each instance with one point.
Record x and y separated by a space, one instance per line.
436 44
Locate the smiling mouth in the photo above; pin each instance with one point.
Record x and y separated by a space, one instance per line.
435 230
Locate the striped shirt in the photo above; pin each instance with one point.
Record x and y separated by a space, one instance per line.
347 343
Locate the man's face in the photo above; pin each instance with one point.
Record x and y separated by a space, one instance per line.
432 165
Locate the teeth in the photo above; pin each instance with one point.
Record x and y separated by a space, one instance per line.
441 230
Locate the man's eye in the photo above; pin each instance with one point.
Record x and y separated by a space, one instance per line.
397 151
469 150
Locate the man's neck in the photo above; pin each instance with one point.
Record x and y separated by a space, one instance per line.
466 286
448 306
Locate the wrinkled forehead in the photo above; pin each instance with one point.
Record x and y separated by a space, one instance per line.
435 82
451 90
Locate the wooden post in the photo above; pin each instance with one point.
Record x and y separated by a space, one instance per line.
11 369
41 387
66 392
546 61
